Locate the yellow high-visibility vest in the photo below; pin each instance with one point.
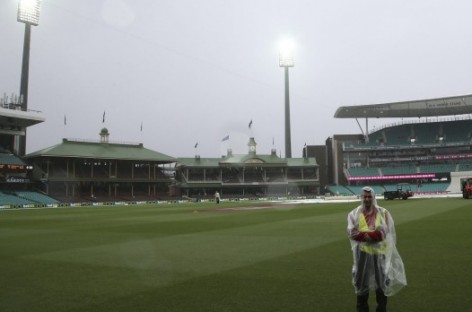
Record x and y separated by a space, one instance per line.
375 248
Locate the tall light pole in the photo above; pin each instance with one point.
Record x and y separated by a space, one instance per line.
286 61
28 13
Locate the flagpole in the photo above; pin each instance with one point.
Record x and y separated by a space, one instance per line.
65 126
141 132
226 138
251 134
196 150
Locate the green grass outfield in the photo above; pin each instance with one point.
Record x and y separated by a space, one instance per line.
208 257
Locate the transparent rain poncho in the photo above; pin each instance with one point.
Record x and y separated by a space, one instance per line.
376 264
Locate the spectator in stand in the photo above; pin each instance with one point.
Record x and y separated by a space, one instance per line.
377 264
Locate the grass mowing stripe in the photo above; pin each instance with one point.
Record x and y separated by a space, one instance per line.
411 210
288 259
301 281
70 274
436 255
205 253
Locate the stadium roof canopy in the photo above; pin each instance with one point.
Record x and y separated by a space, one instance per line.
447 106
99 150
14 122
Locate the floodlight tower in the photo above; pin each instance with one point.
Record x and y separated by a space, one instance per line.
28 13
286 61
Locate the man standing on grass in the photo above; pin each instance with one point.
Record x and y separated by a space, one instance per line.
217 197
377 264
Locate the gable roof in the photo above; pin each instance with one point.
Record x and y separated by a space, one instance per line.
198 162
98 150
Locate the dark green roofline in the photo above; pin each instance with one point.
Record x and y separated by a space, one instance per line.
101 150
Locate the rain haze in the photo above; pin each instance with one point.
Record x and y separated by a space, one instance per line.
171 74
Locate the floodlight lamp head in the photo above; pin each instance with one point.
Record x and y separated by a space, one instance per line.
28 11
286 54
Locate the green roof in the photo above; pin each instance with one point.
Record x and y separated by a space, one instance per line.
98 150
199 162
300 162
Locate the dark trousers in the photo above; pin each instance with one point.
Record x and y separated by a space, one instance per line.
363 301
365 263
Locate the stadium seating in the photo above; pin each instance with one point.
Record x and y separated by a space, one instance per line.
37 198
457 131
437 168
357 189
10 159
426 133
355 172
339 190
21 198
466 166
392 170
397 135
7 198
433 187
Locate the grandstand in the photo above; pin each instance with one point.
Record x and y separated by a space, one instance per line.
26 199
102 171
89 172
430 146
250 175
17 186
83 172
430 149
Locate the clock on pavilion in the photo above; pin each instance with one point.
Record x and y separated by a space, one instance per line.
252 146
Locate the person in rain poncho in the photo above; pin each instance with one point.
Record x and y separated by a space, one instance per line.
377 263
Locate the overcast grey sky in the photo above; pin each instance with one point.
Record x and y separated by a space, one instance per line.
197 70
